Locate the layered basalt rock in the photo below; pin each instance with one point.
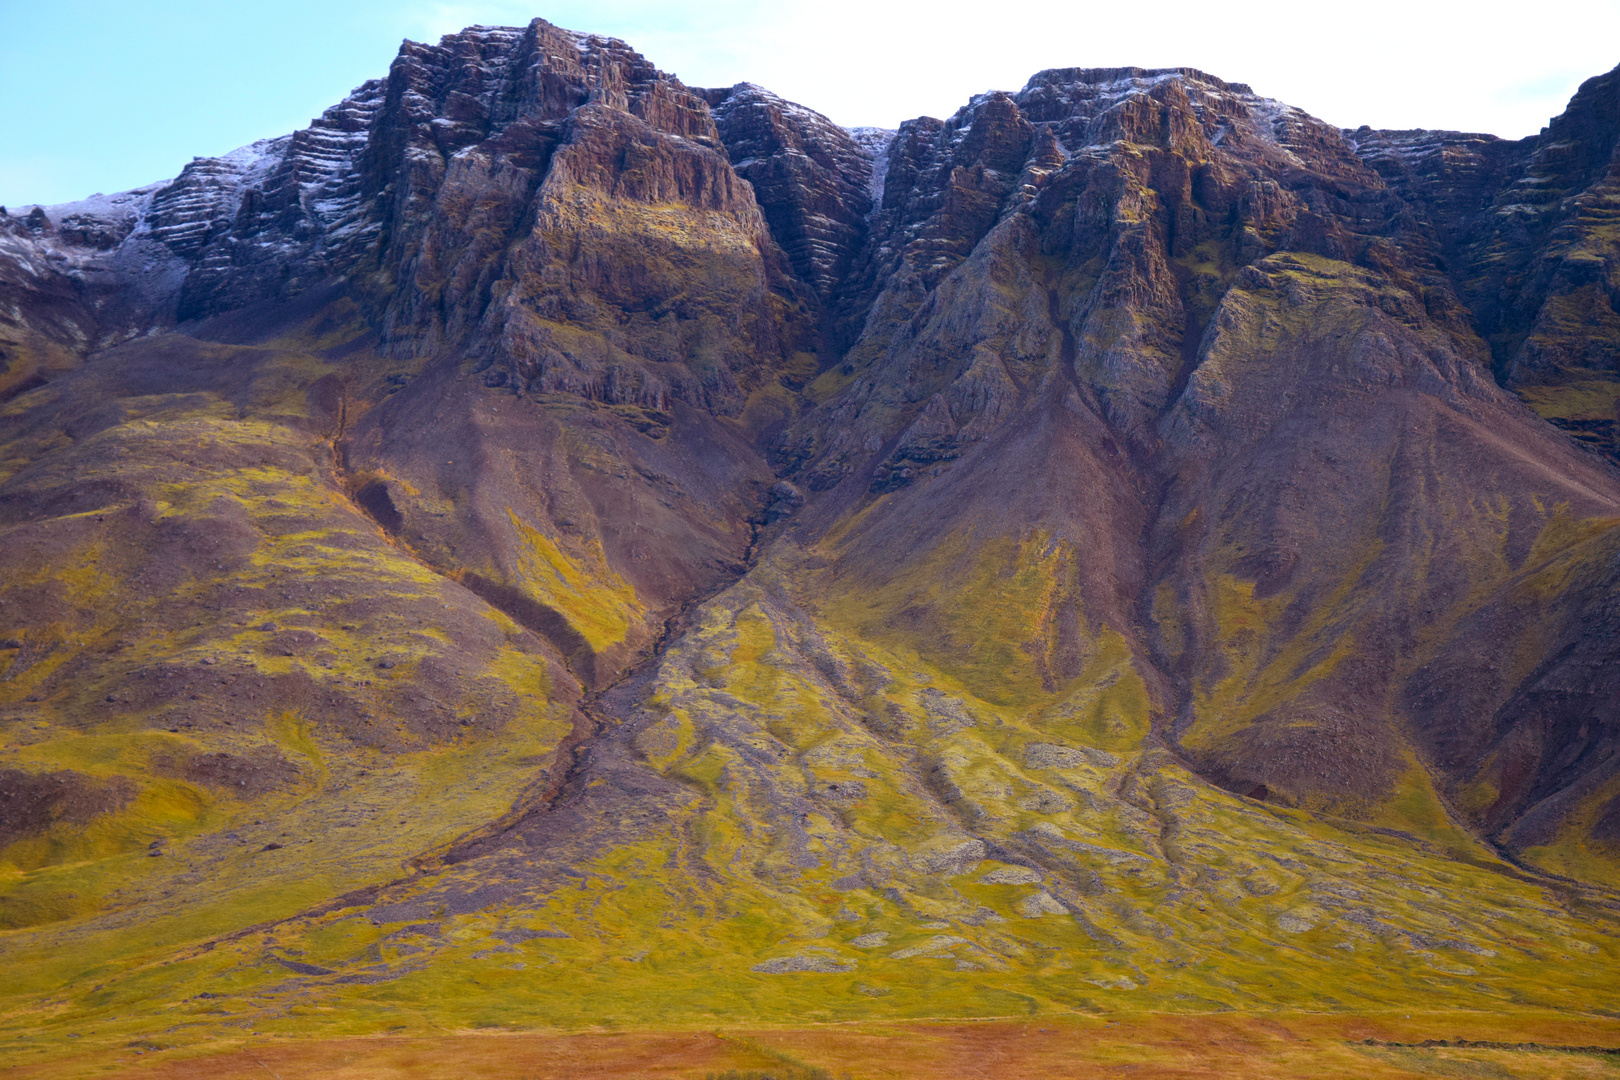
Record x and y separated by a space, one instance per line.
428 177
1142 192
812 178
1527 229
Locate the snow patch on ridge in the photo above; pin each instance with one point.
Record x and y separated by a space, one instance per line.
874 142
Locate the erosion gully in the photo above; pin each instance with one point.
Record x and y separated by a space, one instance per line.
553 786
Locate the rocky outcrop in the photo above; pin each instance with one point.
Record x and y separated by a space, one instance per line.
812 178
419 185
1527 230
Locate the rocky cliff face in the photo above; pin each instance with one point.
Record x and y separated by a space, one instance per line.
1134 305
1012 552
812 178
1527 233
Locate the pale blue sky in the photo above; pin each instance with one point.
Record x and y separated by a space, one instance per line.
101 95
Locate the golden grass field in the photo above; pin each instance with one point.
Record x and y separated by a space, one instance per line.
1281 1045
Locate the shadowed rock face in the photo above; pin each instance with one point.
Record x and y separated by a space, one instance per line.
812 178
668 523
1527 231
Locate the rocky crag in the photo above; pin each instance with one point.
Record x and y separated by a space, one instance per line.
1128 544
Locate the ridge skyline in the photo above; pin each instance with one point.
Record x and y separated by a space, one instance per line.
144 61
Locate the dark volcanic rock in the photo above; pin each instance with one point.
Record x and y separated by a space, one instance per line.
1529 237
812 178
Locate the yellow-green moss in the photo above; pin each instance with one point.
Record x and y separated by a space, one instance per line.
599 604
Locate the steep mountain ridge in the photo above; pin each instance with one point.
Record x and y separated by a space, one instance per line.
1085 550
1528 234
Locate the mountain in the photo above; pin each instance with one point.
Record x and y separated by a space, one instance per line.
548 545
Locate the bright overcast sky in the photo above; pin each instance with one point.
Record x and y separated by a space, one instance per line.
104 95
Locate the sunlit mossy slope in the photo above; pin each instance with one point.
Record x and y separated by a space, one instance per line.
630 555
